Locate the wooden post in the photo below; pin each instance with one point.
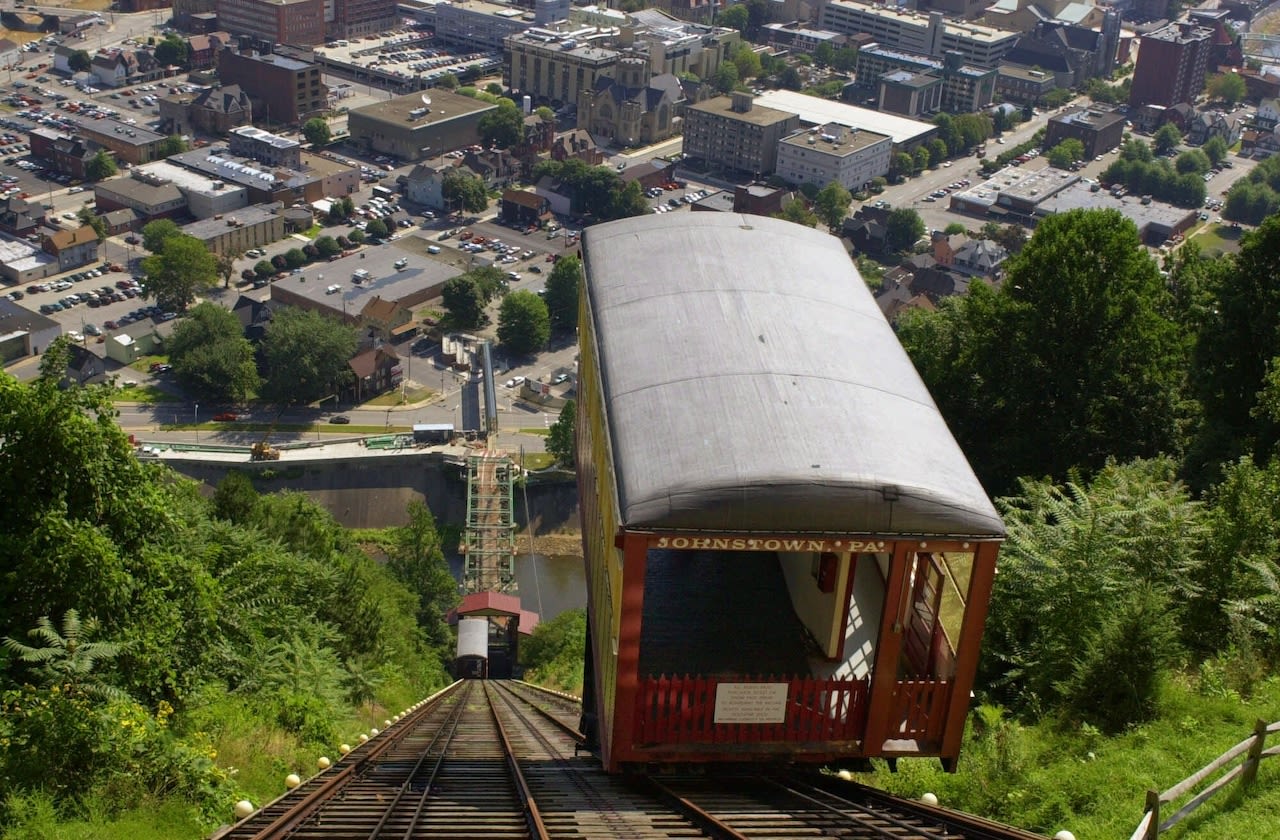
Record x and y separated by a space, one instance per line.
1153 806
1250 768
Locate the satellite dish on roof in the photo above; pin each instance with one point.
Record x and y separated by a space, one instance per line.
426 99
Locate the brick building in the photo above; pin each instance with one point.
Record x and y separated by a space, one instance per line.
298 22
283 90
1172 64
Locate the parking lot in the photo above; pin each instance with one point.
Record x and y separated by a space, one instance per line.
406 56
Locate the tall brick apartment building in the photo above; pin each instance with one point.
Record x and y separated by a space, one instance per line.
283 90
1172 64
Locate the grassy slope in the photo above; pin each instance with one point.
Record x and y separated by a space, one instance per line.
1046 778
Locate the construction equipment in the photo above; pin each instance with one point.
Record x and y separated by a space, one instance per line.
262 450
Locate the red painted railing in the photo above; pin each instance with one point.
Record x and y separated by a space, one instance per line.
681 710
920 708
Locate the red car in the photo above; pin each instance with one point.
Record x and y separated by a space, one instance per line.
226 416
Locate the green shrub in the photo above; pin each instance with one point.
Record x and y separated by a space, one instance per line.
306 716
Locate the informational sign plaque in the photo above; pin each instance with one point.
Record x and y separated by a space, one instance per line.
751 703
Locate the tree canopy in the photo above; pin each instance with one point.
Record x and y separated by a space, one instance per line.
100 167
502 128
1074 360
211 357
903 227
156 233
1228 87
523 323
466 192
464 301
563 289
305 355
181 270
832 205
316 131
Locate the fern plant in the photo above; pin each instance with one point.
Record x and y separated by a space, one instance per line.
68 658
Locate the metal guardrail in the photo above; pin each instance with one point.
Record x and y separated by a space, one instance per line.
1252 748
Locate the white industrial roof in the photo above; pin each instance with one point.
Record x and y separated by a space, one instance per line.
817 111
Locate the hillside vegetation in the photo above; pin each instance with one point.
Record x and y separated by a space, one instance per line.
166 655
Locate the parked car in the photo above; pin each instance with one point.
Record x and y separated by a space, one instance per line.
340 419
226 416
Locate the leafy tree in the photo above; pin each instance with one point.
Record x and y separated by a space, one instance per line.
172 52
264 269
798 211
448 81
627 201
235 500
725 78
316 131
88 217
903 227
747 61
226 268
524 326
1166 139
327 247
181 270
211 358
248 275
1193 161
555 652
80 61
921 159
171 145
954 229
68 658
155 234
100 167
376 229
502 128
295 258
561 438
832 205
1066 365
563 288
938 149
465 192
1066 153
305 355
464 301
824 54
790 79
1235 356
279 263
901 165
1229 87
845 59
491 281
733 17
1215 148
416 558
974 130
356 236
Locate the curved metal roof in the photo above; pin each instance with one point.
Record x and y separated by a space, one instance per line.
752 384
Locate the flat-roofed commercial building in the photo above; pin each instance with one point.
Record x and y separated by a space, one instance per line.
734 132
206 196
477 24
412 131
965 88
834 153
915 32
131 143
556 65
907 133
264 146
299 22
249 227
283 90
1098 129
151 197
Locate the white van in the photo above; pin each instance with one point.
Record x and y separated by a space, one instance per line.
433 249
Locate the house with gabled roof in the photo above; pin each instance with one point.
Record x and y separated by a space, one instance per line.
375 370
73 248
381 316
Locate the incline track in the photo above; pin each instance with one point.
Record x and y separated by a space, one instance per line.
496 759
